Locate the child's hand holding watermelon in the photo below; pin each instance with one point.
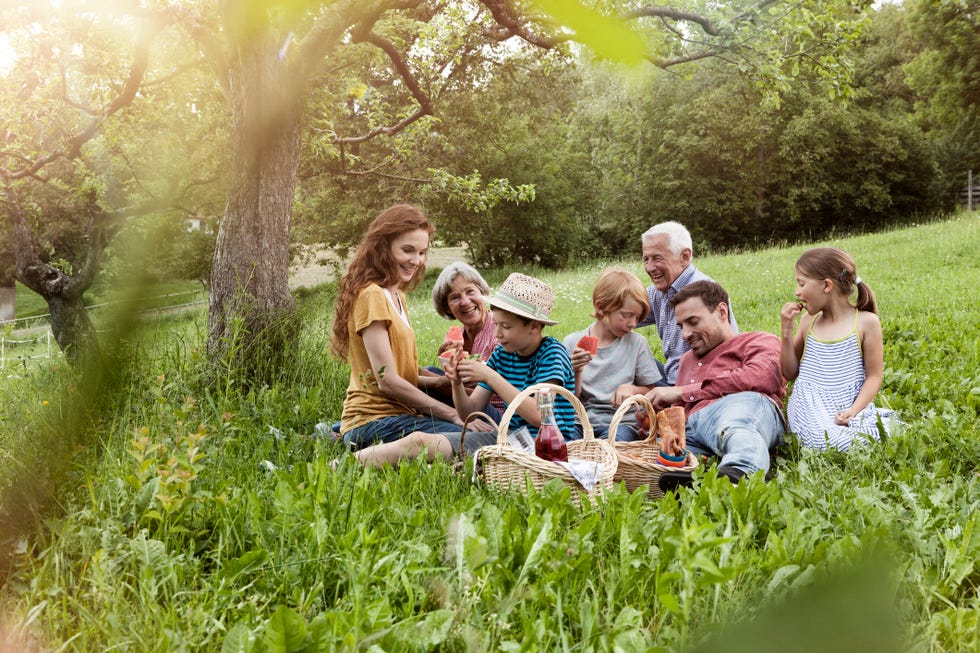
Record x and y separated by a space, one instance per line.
450 361
589 344
584 351
452 341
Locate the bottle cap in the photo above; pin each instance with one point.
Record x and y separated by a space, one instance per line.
544 396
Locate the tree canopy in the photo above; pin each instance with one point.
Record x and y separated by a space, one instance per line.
533 131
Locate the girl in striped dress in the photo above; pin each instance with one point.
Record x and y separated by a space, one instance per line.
835 356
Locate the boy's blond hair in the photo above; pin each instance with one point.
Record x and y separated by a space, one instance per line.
614 287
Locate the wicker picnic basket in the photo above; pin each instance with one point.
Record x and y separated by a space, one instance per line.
459 462
638 460
507 467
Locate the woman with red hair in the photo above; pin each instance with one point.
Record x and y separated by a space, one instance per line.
372 330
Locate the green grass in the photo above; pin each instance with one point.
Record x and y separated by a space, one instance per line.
195 515
156 295
32 340
28 303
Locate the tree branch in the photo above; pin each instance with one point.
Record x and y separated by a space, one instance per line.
27 162
386 175
209 44
673 14
166 202
505 16
177 72
330 28
660 62
29 268
76 284
363 33
376 172
151 205
387 130
125 97
67 100
401 66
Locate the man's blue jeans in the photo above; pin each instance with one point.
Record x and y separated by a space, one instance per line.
740 428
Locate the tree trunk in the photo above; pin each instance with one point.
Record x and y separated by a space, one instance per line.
70 323
72 327
8 297
251 309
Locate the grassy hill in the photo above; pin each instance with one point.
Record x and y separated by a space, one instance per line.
177 513
157 295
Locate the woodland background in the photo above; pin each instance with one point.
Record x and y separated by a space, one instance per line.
528 136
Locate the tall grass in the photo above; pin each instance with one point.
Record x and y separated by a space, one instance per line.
195 515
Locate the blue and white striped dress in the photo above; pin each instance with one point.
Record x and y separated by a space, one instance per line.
830 378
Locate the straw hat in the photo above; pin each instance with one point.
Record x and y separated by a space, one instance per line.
525 296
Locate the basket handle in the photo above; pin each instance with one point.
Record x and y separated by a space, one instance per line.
587 433
466 422
625 407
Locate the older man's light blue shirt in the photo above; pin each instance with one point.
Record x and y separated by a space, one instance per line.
662 314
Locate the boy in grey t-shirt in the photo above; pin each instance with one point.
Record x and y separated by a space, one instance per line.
623 364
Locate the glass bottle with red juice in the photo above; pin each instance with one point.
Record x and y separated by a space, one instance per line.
549 443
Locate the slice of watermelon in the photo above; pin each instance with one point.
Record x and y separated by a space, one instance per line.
455 334
589 344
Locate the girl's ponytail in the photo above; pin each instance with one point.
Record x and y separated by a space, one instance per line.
866 297
838 265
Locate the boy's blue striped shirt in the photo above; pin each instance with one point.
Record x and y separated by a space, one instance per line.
549 364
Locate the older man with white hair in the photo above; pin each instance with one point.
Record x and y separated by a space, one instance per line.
668 258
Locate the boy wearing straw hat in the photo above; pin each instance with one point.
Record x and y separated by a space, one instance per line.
525 356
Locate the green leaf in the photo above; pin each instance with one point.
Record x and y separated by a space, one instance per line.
237 640
319 640
961 552
780 576
544 536
669 601
428 632
150 552
285 632
246 562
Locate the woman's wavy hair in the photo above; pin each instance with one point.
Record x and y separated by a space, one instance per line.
372 263
838 266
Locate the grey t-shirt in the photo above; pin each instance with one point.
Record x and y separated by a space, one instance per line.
626 360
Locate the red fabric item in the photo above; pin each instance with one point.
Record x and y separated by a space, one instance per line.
749 362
